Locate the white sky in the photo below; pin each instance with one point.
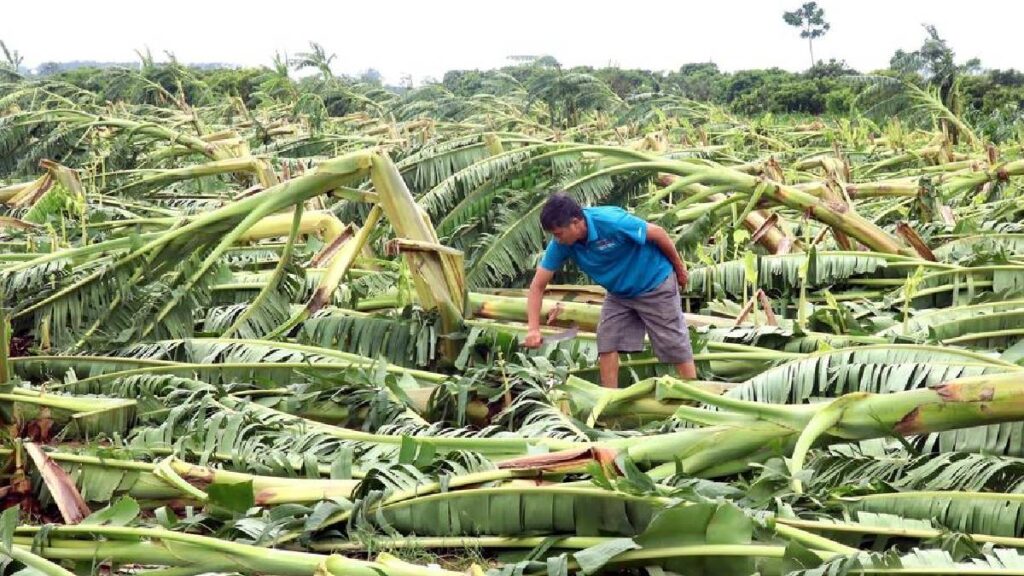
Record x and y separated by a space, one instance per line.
426 38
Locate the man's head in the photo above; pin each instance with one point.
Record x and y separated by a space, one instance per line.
563 218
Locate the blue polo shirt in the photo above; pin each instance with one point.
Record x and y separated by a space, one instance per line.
615 255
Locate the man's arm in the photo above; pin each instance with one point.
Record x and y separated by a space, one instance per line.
534 299
657 236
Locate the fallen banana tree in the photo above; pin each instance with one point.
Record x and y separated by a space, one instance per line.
742 432
83 308
154 546
177 483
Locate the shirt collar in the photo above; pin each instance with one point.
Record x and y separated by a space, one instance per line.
591 229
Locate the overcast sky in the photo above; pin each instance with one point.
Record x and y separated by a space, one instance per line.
426 38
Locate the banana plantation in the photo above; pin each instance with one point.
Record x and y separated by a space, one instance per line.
286 338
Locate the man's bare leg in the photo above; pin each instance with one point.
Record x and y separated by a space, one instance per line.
609 364
687 370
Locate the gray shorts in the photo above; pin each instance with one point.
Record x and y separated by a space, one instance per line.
659 313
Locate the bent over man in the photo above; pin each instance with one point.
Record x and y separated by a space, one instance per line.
639 266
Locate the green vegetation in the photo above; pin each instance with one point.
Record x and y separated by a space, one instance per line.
256 325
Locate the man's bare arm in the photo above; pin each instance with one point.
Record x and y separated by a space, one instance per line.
534 299
657 236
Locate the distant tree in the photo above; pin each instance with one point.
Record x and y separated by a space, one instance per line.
626 83
831 69
49 68
811 21
935 63
569 94
547 61
925 86
1009 77
371 76
464 82
699 81
317 58
274 83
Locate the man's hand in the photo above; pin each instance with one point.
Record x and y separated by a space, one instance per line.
534 300
683 276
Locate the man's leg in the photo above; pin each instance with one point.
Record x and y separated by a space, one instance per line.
687 370
662 315
620 329
609 363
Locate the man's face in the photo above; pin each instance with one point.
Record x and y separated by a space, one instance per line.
570 233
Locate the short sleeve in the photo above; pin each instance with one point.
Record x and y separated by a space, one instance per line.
632 227
554 256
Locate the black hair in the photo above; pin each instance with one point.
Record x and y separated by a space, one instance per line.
559 211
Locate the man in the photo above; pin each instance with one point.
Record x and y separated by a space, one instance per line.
639 266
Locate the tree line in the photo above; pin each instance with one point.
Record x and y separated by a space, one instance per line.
826 88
